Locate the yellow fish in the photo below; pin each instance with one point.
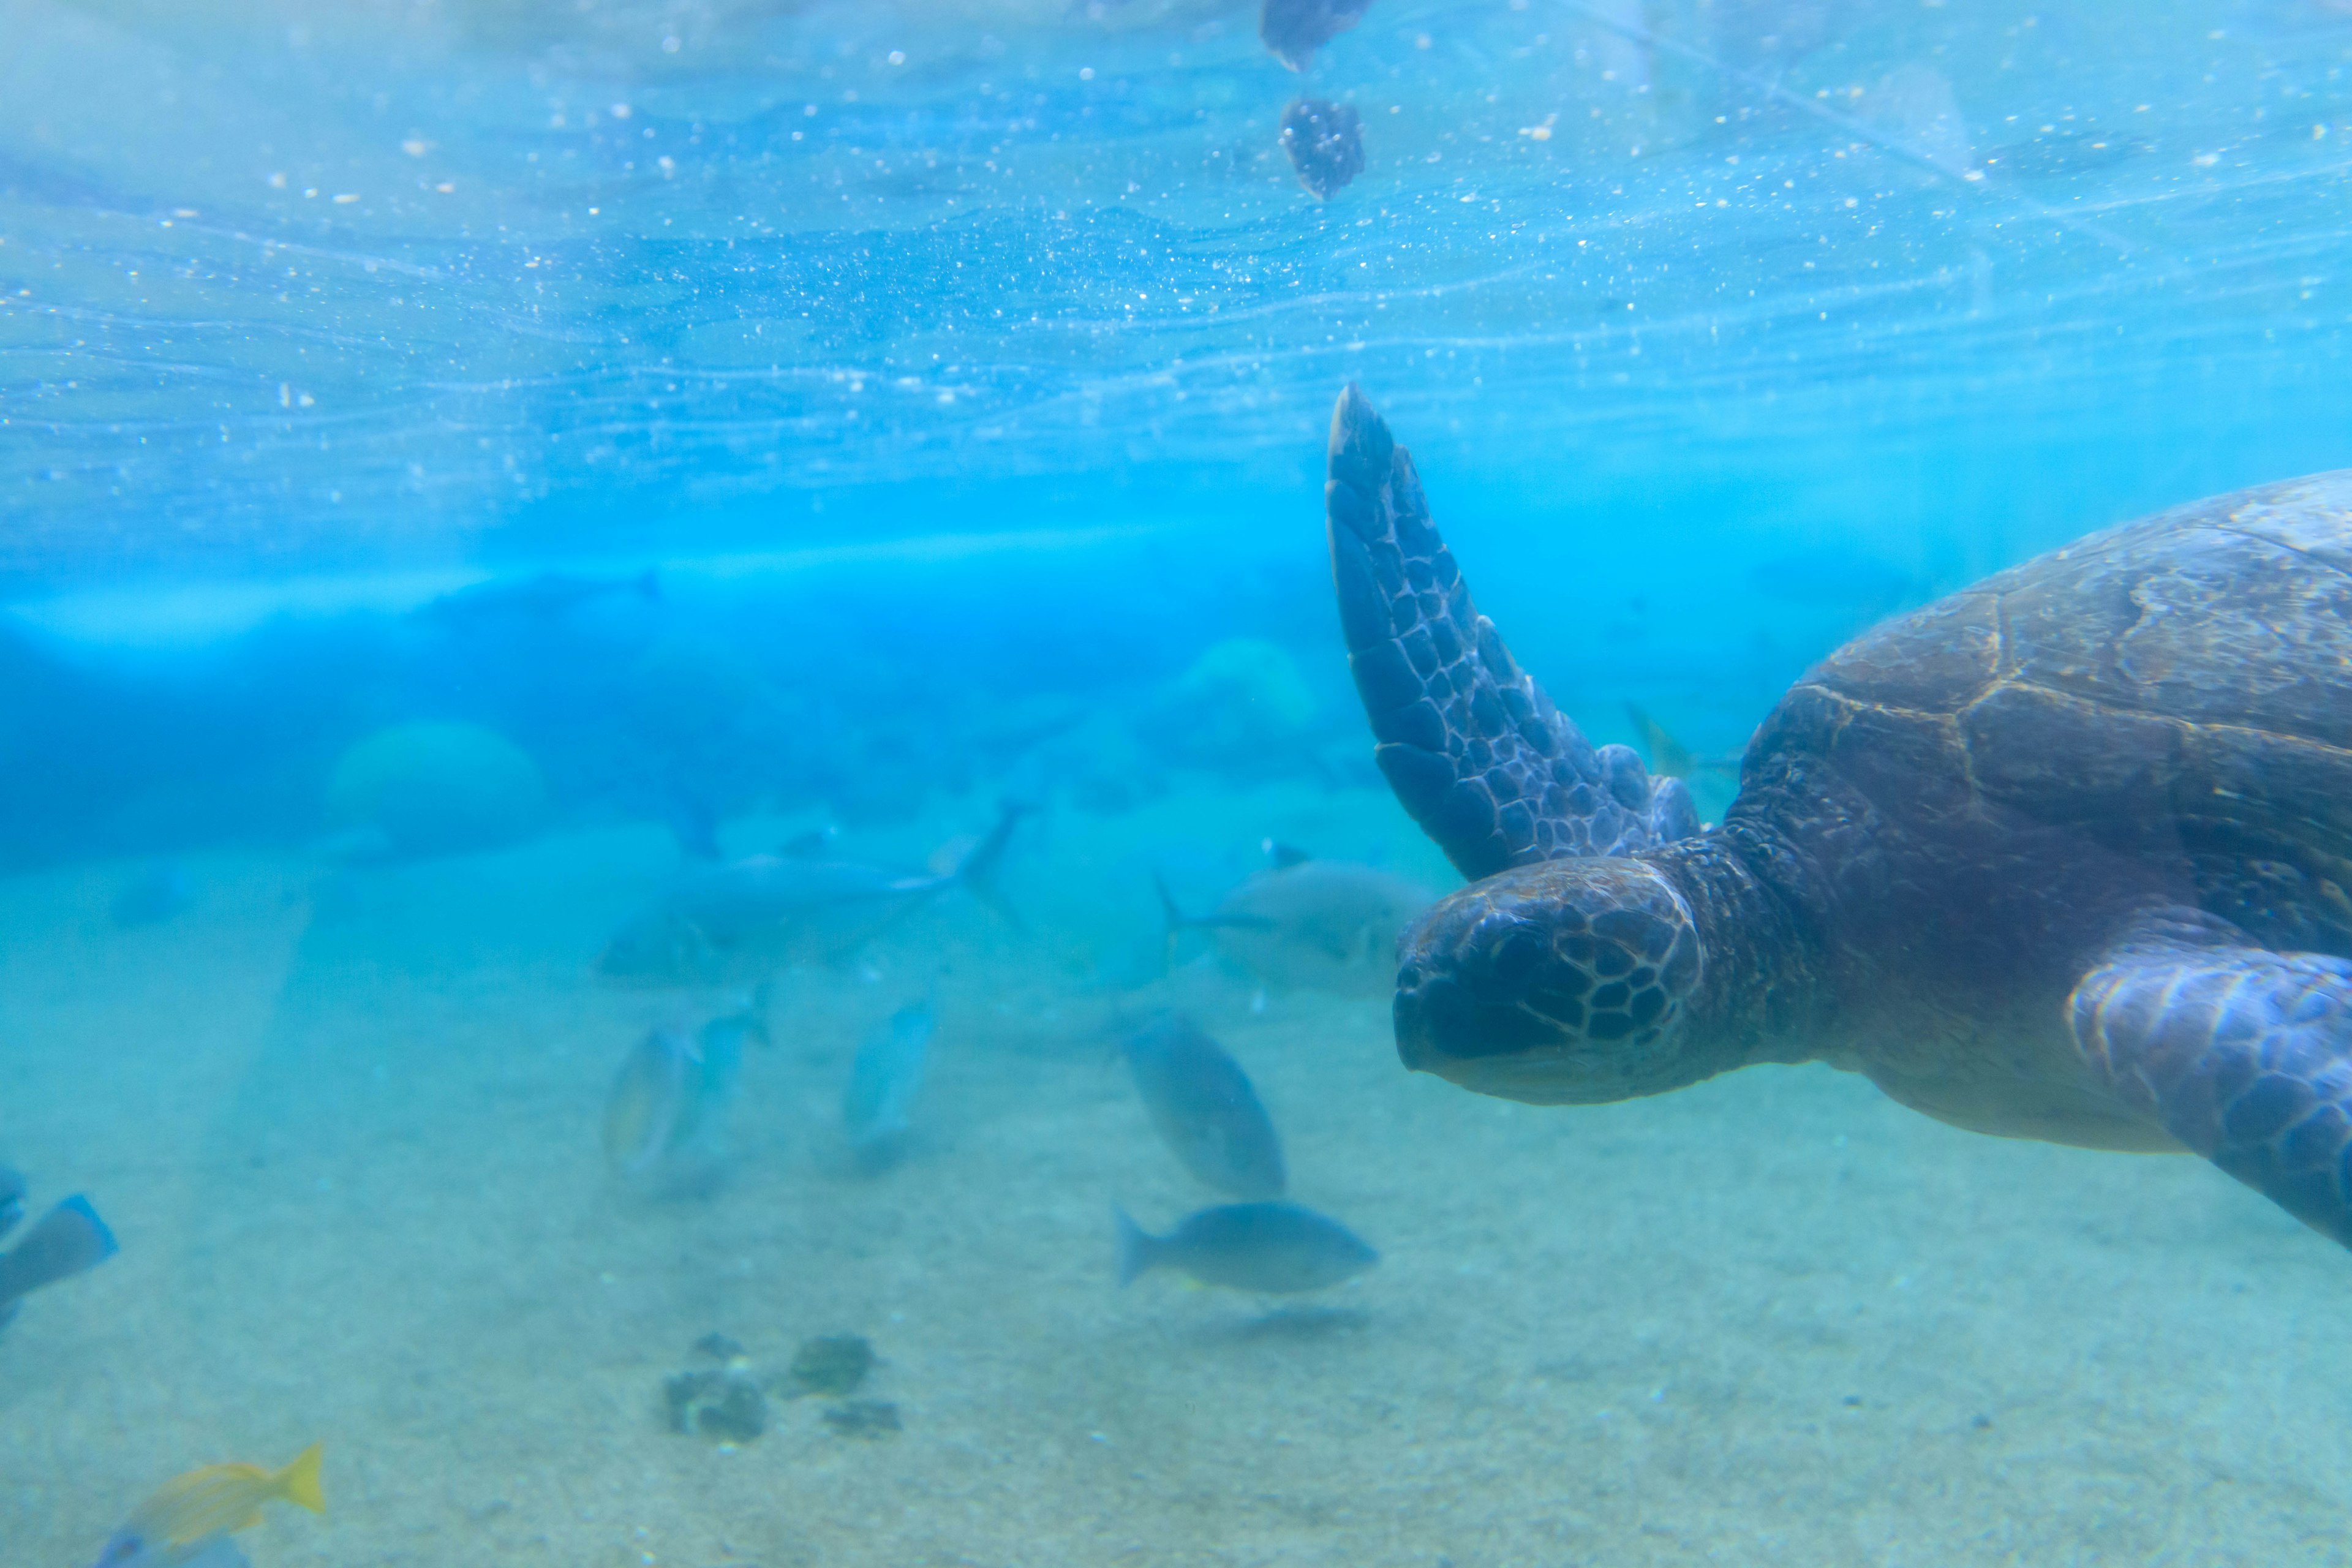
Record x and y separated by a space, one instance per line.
218 1499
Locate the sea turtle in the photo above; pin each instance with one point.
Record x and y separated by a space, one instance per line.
2065 855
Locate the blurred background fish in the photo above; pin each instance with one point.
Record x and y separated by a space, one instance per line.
758 917
1205 1108
1321 925
187 1521
666 1118
1278 1247
70 1239
883 1082
153 894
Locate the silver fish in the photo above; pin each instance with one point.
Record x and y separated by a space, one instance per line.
665 1117
757 917
1322 925
1205 1108
883 1083
1273 1246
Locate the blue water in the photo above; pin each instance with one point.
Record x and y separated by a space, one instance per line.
756 423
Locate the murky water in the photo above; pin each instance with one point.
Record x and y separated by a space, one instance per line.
532 532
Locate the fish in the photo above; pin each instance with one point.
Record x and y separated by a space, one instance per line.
666 1116
183 1523
1204 1108
152 895
1322 925
214 1551
12 1199
1325 143
70 1239
544 596
1278 1247
1669 757
883 1082
1295 30
753 918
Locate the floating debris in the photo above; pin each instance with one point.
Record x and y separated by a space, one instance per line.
1295 30
726 1406
870 1418
1325 143
830 1364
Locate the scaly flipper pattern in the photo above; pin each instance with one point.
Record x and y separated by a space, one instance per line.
1474 750
2242 1054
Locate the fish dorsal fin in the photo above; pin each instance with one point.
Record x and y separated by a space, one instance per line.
805 845
1283 856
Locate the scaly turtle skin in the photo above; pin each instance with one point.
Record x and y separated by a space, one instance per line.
2064 855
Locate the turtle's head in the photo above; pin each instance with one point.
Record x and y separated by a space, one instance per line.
1570 980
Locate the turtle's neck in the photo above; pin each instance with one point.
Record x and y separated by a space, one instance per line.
1761 992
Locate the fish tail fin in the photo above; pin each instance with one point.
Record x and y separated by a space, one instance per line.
1138 1247
297 1483
70 1239
977 870
1173 921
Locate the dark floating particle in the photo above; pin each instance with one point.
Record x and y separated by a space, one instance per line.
1325 143
719 1346
1295 30
870 1418
723 1405
832 1364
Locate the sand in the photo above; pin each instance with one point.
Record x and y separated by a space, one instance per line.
346 1128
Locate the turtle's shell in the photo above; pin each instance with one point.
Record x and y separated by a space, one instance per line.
2166 704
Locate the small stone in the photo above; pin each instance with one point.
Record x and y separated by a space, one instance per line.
723 1405
831 1364
870 1418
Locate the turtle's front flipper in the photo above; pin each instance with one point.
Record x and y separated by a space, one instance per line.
1472 746
2245 1054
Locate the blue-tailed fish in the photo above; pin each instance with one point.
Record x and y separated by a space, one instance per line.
1204 1108
666 1118
1324 925
70 1239
189 1515
883 1082
754 918
1276 1247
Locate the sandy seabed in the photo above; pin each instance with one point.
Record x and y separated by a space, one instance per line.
346 1126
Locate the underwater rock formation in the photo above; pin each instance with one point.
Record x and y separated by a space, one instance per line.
437 789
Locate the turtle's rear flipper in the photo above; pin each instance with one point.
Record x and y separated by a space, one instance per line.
2243 1054
1472 748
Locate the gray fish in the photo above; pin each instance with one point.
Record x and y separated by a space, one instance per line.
540 597
1295 30
12 1199
1273 1246
70 1239
1204 1108
1325 925
753 918
883 1083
